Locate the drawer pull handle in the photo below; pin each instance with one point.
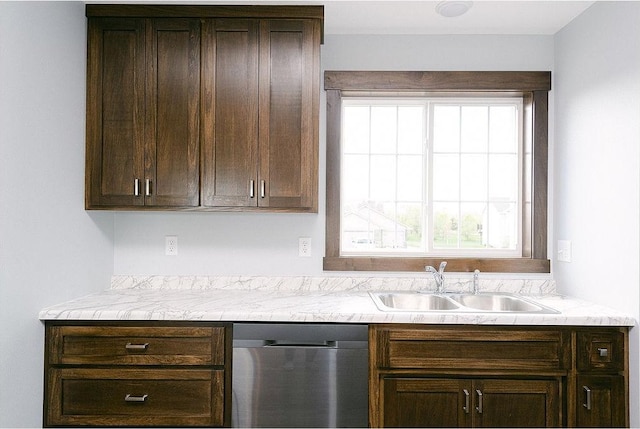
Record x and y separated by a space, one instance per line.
466 401
587 398
132 398
603 351
137 347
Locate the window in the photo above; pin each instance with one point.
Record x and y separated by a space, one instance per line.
428 176
418 172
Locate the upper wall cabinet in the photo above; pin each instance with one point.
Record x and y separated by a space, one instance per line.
203 107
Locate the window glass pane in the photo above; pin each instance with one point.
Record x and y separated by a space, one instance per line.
355 178
445 177
383 178
355 132
501 225
383 129
446 128
357 233
474 129
445 225
411 221
503 177
472 217
410 179
410 129
466 202
473 177
504 129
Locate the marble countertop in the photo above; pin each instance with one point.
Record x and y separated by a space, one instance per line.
308 300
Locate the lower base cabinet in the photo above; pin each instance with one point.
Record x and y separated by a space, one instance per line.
137 374
497 376
153 374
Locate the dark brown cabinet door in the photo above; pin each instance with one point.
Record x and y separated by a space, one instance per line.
260 113
115 112
143 112
430 402
173 111
426 402
289 83
516 403
230 70
601 401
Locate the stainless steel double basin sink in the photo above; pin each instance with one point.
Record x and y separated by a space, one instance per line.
457 302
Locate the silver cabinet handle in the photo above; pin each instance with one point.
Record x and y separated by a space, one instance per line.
132 398
603 351
147 187
479 407
136 187
138 347
263 188
251 188
587 398
466 401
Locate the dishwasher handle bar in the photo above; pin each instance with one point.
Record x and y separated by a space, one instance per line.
273 344
303 344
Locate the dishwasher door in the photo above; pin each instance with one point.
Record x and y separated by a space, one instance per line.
300 375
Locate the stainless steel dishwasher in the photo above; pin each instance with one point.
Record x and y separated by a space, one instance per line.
299 375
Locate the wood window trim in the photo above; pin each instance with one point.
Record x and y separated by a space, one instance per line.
533 86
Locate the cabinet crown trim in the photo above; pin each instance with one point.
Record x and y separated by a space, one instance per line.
207 11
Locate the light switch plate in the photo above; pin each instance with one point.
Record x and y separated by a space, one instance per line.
564 250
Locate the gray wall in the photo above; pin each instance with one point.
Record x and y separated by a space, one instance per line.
51 250
597 162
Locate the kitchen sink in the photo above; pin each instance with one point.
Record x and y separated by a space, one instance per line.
496 303
413 301
469 303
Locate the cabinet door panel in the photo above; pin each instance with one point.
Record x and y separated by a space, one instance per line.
115 111
517 403
288 98
606 405
231 113
424 402
173 87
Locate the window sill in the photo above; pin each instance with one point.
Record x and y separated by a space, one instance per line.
487 265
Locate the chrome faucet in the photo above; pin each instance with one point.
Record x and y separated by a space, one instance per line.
476 285
438 275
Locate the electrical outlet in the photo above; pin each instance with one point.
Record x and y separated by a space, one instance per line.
304 246
171 245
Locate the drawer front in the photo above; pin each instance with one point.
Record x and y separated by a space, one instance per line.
135 397
120 345
470 348
600 350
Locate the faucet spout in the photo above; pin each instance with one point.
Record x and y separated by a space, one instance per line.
438 275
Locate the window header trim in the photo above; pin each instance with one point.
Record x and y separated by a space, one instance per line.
493 81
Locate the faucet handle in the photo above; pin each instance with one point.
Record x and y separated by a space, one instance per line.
442 265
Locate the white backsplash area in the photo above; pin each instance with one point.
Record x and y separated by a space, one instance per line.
534 287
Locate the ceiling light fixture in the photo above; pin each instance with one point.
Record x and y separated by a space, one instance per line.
453 8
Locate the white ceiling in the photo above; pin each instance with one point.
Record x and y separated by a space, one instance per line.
420 17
